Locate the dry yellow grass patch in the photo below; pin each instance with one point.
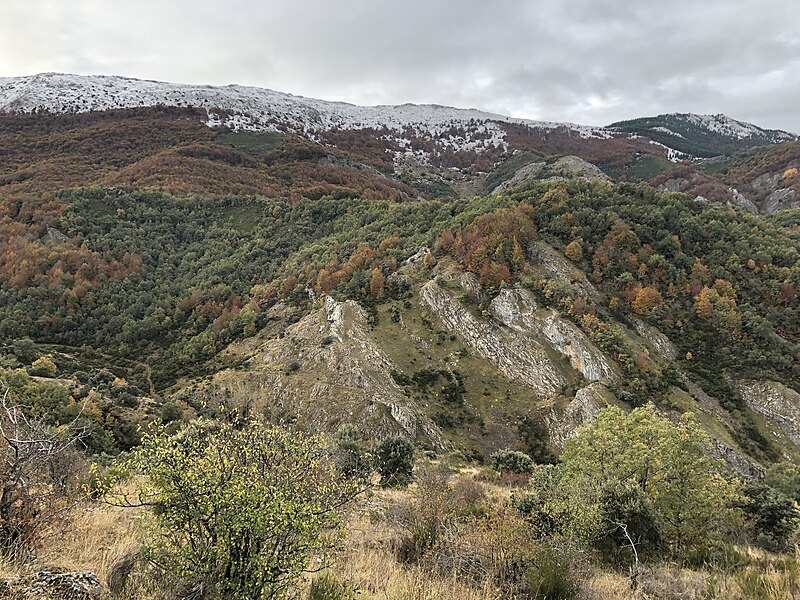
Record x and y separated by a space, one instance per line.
92 540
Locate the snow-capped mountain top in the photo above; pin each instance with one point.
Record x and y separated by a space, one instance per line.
248 107
702 135
729 127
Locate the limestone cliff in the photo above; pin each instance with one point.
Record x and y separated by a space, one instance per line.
518 357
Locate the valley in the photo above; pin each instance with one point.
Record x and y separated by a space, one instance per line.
173 256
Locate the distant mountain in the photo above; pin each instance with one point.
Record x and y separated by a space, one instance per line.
702 135
62 131
259 109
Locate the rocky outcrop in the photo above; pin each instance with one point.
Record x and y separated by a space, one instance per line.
53 585
565 168
738 200
777 403
517 309
557 265
417 257
781 199
654 339
324 370
518 357
737 461
580 412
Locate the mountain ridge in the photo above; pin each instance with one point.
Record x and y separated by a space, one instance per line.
702 135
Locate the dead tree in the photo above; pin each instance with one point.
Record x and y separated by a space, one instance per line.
28 448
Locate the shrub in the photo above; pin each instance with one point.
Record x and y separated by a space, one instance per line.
43 367
773 516
239 509
33 474
350 452
691 503
170 412
394 460
784 476
552 577
512 461
328 587
434 509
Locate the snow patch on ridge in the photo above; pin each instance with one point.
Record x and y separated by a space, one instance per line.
259 109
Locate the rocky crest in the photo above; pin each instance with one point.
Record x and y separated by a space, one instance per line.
327 369
776 402
517 357
517 309
567 167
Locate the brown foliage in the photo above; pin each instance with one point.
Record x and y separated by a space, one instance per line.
172 150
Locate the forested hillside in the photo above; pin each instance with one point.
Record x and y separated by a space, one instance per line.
562 345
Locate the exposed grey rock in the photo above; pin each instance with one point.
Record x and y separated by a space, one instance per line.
525 174
54 236
50 585
121 569
518 357
781 199
739 200
654 339
672 185
737 461
559 267
470 284
580 412
776 402
348 378
417 257
517 309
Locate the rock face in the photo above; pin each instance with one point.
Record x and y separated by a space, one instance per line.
326 369
518 357
739 200
740 463
557 265
567 167
50 585
781 199
580 412
776 402
654 339
517 309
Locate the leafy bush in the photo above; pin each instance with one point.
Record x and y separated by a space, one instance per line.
512 461
239 509
43 367
350 452
328 587
772 515
394 460
690 502
170 412
784 476
552 577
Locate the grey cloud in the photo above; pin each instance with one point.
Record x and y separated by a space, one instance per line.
589 61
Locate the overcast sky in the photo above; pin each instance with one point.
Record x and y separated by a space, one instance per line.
586 61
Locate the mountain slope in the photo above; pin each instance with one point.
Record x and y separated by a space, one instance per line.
702 135
63 131
258 109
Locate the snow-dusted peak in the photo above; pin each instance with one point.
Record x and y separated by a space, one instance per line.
251 107
726 126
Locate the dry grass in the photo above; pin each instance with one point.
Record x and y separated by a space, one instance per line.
92 540
377 575
95 538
